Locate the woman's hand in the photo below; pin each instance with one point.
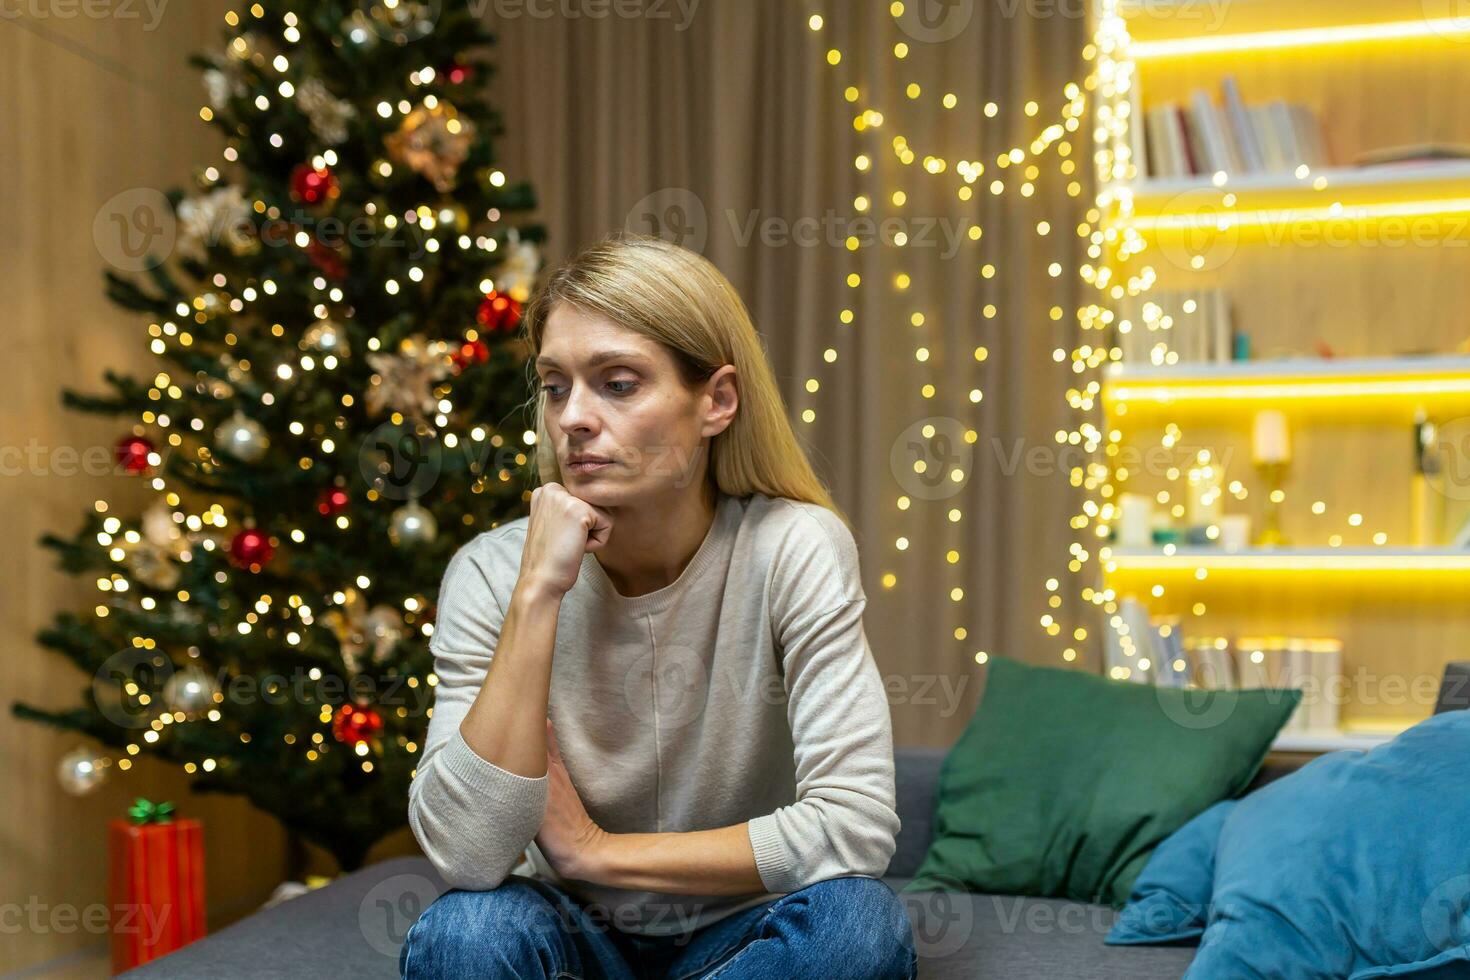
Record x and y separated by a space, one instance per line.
568 837
562 528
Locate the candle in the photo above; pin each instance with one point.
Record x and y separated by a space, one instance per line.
1271 442
1135 525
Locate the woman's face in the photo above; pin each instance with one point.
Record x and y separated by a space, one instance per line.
616 396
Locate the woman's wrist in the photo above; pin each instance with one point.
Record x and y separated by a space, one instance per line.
534 593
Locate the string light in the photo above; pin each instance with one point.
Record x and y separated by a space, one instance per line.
1049 139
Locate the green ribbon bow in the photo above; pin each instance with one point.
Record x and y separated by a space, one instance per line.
143 811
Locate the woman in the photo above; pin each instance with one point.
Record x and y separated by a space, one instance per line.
657 684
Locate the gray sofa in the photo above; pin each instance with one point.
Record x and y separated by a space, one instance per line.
354 926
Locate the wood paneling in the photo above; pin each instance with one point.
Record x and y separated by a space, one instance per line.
93 106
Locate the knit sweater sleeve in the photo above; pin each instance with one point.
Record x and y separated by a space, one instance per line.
473 819
844 820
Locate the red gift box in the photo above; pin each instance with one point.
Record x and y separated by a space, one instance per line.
157 889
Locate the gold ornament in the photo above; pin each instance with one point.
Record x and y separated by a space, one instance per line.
327 114
432 142
153 558
406 380
361 630
519 267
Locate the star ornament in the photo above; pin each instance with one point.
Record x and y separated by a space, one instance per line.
405 379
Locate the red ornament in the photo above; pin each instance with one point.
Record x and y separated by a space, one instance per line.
499 313
458 73
354 724
132 452
251 549
470 352
312 185
332 501
326 259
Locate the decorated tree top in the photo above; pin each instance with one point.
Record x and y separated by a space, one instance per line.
340 401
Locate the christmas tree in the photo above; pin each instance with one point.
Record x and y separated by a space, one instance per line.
341 401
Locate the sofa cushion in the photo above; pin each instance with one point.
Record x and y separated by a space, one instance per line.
354 926
1010 937
1064 782
1352 867
1171 898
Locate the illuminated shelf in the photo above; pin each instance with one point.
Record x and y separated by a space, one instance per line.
1336 386
1430 191
1313 560
1182 28
1408 174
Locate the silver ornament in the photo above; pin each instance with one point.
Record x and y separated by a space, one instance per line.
190 690
241 437
81 771
412 524
327 337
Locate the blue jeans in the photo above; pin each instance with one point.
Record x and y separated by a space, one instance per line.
852 927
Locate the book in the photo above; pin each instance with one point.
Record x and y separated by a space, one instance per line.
1272 152
1129 651
1195 325
1211 663
1278 115
1137 130
1191 143
1213 155
1307 129
1160 152
1251 158
1203 138
1172 669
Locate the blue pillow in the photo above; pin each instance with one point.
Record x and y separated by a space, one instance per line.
1357 865
1171 898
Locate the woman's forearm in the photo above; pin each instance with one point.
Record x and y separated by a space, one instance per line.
506 724
697 862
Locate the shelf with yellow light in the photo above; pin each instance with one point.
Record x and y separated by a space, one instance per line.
1390 388
1304 256
1261 207
1357 575
1289 559
1185 28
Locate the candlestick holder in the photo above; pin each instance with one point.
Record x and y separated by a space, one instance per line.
1274 476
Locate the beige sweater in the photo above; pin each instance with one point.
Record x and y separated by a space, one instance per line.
743 691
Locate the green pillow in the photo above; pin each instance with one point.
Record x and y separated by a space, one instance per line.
1064 782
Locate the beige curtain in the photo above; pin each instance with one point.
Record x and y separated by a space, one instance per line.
731 131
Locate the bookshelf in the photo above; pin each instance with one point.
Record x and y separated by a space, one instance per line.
1349 280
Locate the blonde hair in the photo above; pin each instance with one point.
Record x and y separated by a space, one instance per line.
679 299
